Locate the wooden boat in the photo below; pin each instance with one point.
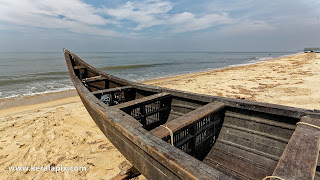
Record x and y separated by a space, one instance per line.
171 134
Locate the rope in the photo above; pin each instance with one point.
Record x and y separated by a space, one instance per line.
307 124
101 92
171 134
274 177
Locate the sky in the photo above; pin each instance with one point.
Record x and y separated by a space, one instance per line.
158 25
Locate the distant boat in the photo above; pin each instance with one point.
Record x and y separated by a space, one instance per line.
171 134
310 50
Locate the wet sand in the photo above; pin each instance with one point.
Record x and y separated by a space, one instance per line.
57 130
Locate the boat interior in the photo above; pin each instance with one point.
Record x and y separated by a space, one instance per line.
242 142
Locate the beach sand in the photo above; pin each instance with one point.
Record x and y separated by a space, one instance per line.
291 81
56 129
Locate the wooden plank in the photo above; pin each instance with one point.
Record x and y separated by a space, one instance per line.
241 153
94 86
300 157
144 100
188 119
93 79
79 67
177 113
184 106
271 109
106 91
241 167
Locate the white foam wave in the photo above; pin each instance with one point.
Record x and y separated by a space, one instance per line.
38 89
37 93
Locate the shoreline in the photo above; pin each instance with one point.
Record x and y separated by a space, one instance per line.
248 62
10 102
230 67
37 98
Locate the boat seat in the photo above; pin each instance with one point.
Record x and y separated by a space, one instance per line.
187 119
93 79
79 67
150 111
112 90
299 159
144 100
114 96
249 147
194 132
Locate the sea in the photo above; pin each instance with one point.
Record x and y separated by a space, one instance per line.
32 73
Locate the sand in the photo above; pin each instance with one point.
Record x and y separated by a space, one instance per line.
59 135
56 129
292 81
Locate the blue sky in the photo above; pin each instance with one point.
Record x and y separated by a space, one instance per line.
159 25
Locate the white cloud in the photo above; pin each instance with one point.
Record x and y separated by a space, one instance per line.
72 15
154 12
230 5
76 16
189 22
18 11
246 27
145 14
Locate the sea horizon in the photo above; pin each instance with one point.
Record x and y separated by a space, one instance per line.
284 51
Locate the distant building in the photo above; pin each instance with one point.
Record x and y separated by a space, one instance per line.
316 50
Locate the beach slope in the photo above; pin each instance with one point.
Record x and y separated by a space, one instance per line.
291 81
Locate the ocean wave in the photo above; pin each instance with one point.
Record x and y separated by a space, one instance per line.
31 89
135 66
126 66
265 58
36 93
34 75
28 80
84 57
50 73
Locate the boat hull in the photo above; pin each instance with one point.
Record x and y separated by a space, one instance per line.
152 155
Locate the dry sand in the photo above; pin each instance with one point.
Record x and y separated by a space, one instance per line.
292 81
61 132
59 135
